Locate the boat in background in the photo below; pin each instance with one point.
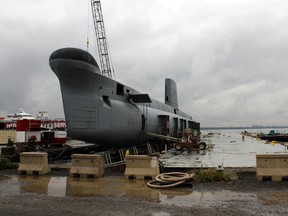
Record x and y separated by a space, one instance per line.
21 114
274 135
10 122
50 130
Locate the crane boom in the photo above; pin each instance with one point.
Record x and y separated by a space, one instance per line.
101 38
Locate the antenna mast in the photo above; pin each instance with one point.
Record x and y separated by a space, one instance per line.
101 38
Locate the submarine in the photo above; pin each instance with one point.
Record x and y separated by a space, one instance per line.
100 110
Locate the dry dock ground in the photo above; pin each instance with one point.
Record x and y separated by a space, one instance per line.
240 196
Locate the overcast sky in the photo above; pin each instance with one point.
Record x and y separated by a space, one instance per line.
228 58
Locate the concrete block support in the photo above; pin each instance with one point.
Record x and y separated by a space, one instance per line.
33 163
86 166
141 167
272 167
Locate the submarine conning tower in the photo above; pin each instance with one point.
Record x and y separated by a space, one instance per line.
171 93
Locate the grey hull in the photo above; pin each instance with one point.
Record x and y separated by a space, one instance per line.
100 110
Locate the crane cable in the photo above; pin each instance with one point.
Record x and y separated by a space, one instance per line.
170 179
111 62
88 25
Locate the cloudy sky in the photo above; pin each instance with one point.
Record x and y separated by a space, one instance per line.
228 58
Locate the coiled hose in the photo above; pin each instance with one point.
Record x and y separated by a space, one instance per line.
170 179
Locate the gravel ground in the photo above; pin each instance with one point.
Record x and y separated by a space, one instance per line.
243 196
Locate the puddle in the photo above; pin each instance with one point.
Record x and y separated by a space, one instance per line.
4 178
115 186
230 154
273 198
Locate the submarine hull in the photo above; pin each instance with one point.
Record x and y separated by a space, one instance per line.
101 110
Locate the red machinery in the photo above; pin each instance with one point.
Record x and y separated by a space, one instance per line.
190 141
30 132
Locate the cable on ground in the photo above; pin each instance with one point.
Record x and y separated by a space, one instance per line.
170 179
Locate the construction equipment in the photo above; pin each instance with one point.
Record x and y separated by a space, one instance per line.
190 142
105 60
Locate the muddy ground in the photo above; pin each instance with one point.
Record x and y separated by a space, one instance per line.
242 196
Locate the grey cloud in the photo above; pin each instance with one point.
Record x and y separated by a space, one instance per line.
229 63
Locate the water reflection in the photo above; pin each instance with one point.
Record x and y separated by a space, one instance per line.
94 187
4 178
106 186
139 189
110 186
34 184
274 198
119 186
